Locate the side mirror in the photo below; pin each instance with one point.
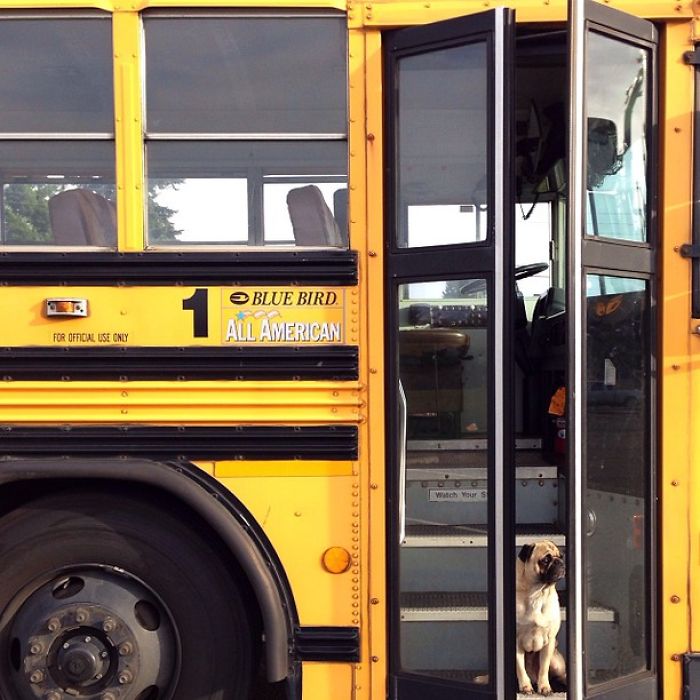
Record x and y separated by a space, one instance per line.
603 155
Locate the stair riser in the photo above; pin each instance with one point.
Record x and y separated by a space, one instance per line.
537 502
446 569
463 645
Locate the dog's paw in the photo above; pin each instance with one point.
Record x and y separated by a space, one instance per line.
526 689
544 690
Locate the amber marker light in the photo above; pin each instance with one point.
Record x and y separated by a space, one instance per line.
66 307
336 560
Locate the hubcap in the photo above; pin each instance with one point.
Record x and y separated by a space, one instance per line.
93 633
83 659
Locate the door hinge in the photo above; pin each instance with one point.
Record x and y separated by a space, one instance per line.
690 250
692 58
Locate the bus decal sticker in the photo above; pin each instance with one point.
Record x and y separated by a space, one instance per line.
295 316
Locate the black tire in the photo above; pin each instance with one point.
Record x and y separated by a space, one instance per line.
85 531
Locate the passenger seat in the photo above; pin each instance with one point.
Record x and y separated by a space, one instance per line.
80 217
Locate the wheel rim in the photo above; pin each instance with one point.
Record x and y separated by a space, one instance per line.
91 633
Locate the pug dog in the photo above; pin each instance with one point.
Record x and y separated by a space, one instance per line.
538 568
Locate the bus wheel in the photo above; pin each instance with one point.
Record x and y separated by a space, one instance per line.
106 597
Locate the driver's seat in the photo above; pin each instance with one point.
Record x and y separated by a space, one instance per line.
549 311
522 337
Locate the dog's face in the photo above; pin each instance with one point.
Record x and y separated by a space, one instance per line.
543 562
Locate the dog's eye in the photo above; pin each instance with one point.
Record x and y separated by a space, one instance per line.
547 559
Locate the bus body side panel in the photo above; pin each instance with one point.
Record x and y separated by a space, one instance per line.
679 458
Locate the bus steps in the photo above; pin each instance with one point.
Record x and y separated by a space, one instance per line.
429 536
428 618
454 558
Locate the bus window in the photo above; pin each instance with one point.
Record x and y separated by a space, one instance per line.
57 174
246 130
617 154
532 237
443 181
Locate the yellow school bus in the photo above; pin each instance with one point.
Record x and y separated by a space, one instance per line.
317 316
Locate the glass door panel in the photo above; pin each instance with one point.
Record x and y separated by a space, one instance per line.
618 460
444 351
617 91
442 143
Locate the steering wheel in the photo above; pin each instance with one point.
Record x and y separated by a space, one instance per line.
523 271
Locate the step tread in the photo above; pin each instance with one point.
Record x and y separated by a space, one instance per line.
444 599
431 535
424 470
470 606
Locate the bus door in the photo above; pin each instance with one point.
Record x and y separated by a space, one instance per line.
451 285
612 203
521 394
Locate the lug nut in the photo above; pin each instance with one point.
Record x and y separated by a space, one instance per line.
125 649
109 696
81 615
36 677
125 677
109 625
52 695
54 624
36 648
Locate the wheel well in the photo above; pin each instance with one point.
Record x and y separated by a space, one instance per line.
19 493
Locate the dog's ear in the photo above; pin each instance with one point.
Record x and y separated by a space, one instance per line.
526 552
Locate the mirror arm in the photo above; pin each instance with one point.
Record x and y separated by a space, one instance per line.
633 95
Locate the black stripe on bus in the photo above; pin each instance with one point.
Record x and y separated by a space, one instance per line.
327 643
313 267
329 362
333 442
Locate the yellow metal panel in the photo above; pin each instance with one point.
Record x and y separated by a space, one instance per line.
154 316
679 367
138 5
368 268
328 682
303 517
207 467
57 4
399 14
328 4
376 494
128 130
289 468
388 13
382 12
190 403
